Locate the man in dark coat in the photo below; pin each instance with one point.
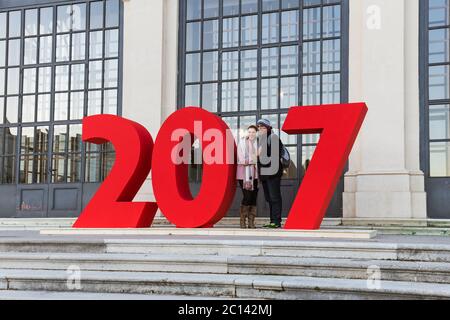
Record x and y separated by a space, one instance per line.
270 170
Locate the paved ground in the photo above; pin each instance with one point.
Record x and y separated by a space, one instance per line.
399 239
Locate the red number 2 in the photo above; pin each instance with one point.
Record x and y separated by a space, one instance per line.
111 206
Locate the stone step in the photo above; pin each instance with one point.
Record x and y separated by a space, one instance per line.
360 250
59 296
432 272
219 285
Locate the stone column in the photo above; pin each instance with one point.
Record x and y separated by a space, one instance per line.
150 67
384 182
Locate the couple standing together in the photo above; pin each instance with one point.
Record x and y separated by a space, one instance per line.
259 160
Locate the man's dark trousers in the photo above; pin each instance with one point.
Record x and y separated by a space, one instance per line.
272 193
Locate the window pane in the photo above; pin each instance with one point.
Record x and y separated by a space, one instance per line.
96 45
45 79
249 6
94 103
74 168
289 60
64 19
289 92
28 108
270 28
331 91
249 30
230 32
96 15
62 47
62 78
110 103
289 28
78 46
12 110
193 36
112 13
76 105
30 54
230 65
192 96
211 8
77 77
210 34
2 83
269 63
440 159
193 67
439 14
29 80
46 21
269 5
439 122
111 73
230 95
249 63
78 15
210 66
14 53
27 140
15 23
61 106
210 97
58 167
311 57
95 74
43 111
31 22
2 25
439 83
13 81
60 139
439 46
45 49
194 9
311 90
2 53
230 7
75 140
112 43
331 21
269 94
249 91
331 55
312 23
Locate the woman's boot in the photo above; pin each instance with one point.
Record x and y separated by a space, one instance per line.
252 217
244 214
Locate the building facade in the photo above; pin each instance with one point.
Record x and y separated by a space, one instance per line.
240 59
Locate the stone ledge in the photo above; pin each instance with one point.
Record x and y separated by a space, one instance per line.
279 233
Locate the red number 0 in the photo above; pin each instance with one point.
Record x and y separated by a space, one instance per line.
339 126
111 206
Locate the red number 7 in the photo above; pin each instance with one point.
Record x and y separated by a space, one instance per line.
339 126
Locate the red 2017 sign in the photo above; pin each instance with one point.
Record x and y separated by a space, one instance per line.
137 155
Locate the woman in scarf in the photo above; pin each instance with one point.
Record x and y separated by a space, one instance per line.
247 176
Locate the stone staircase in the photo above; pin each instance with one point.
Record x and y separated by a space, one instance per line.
246 268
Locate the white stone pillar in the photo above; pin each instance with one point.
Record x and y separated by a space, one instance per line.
150 66
384 181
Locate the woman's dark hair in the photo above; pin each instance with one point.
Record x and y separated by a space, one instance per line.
253 127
